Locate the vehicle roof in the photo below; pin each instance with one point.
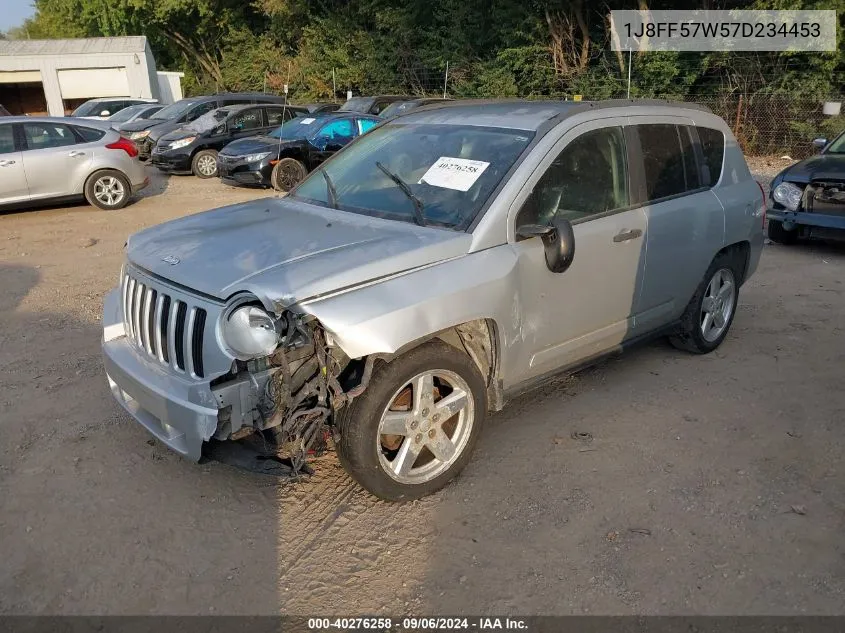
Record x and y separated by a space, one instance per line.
103 124
524 115
139 99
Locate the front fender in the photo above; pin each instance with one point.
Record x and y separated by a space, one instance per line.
387 316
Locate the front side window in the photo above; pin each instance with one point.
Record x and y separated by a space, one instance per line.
7 139
46 135
246 120
275 116
451 170
588 178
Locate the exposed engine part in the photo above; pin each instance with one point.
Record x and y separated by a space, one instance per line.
292 395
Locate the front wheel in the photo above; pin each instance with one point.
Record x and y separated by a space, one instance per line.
415 426
708 317
204 164
287 173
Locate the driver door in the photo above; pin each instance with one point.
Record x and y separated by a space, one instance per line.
588 309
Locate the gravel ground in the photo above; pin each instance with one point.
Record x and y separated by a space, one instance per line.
712 485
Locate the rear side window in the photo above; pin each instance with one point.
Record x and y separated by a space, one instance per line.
668 159
89 135
713 148
7 139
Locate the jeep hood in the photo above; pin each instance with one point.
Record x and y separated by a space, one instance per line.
820 167
286 251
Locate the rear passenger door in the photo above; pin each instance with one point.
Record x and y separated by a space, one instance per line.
56 161
685 219
13 187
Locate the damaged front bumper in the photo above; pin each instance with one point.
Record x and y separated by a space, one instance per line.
180 412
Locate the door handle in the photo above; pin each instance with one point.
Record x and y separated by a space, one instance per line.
624 236
76 153
6 163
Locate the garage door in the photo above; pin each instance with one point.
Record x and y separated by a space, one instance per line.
83 83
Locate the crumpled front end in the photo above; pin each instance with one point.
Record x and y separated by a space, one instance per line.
821 212
166 368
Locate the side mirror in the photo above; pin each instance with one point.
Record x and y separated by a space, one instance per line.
220 129
819 143
558 242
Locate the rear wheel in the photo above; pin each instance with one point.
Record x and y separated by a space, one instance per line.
204 164
108 189
711 310
780 235
415 426
287 173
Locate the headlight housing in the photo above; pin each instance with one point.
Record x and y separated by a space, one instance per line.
788 195
254 158
139 135
249 332
182 142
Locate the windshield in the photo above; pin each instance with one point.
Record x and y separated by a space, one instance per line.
395 109
128 113
89 108
208 121
299 127
357 104
450 169
837 146
174 110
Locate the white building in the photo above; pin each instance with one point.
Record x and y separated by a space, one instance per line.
55 76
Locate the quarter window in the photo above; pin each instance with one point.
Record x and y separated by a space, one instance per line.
588 178
89 135
7 139
365 124
713 149
46 135
668 159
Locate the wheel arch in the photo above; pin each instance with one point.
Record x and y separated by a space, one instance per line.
742 251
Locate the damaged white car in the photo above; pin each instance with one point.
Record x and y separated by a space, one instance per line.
436 266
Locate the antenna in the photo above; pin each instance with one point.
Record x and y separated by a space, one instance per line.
281 130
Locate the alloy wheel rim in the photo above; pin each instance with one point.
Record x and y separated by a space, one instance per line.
288 177
718 305
109 190
426 427
207 165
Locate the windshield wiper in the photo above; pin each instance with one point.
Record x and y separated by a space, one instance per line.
330 187
418 205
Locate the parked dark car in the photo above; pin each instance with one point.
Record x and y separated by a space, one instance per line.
372 105
401 107
146 133
316 108
807 199
283 157
193 148
105 107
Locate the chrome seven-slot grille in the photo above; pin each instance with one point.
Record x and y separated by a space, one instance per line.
164 327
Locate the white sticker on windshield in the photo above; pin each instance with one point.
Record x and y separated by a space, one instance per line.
308 121
454 173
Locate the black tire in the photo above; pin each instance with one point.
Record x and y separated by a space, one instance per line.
689 336
108 179
287 173
200 164
780 235
360 447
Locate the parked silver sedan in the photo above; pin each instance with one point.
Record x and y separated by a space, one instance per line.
47 158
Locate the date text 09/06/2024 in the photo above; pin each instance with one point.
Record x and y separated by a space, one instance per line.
417 624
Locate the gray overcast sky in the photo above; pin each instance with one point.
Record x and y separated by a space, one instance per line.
14 12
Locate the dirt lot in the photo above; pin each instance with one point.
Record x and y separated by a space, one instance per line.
712 484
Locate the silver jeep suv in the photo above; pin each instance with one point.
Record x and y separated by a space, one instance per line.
441 263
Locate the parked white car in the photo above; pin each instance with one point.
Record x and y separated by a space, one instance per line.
106 107
47 158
